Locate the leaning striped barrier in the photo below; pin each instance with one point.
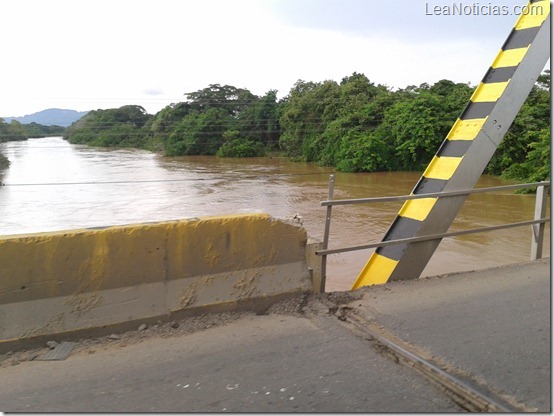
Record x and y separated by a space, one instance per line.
68 281
466 151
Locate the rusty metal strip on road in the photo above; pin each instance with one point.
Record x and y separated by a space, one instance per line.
59 353
470 394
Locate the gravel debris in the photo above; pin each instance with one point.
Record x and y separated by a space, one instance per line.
342 298
292 306
179 327
295 306
51 344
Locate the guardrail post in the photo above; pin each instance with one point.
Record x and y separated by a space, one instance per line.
537 230
314 263
325 244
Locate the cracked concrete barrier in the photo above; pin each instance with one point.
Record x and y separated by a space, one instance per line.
86 280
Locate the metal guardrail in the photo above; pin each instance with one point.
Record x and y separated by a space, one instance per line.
537 224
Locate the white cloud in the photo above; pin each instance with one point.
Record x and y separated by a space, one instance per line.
153 91
104 53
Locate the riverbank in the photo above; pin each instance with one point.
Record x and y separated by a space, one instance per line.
4 162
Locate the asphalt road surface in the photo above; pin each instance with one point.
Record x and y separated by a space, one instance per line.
495 325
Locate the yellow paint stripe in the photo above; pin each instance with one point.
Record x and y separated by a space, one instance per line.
511 57
417 209
466 129
376 271
537 13
489 92
442 167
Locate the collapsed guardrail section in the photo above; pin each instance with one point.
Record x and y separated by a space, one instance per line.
66 281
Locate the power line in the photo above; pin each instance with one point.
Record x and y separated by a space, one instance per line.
150 181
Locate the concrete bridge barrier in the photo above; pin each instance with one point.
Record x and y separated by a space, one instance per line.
92 279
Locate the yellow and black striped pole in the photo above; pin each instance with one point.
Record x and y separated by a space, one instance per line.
467 149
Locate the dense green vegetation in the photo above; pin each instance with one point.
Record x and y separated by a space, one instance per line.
4 162
354 125
120 127
524 153
36 130
16 131
12 131
358 126
222 120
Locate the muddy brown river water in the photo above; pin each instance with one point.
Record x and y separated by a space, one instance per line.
53 185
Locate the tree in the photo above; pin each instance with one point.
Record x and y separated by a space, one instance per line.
524 153
351 142
4 163
221 116
236 146
198 133
227 98
310 106
5 132
419 121
12 131
119 127
166 119
38 130
260 120
332 124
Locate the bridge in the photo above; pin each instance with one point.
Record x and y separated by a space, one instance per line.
109 302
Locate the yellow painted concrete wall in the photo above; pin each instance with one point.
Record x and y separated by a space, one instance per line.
72 280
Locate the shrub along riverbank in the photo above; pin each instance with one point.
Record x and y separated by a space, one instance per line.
15 130
354 125
4 162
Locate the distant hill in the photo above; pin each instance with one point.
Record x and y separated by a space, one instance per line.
50 117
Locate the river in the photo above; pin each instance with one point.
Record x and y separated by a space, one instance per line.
53 185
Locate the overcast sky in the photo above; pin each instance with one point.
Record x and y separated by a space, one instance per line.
90 54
